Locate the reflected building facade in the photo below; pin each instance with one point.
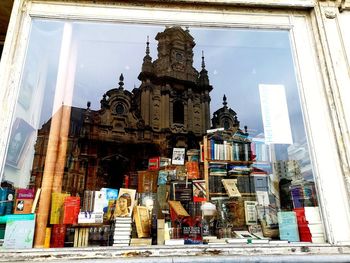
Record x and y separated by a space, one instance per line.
171 108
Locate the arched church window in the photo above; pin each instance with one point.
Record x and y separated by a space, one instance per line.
226 124
178 112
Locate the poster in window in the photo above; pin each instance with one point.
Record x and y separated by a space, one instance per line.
19 142
178 156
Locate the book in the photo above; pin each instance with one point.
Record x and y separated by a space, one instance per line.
251 215
147 181
142 221
141 242
36 200
99 201
71 208
57 201
24 201
288 226
192 168
177 208
6 200
231 187
174 242
199 191
153 163
58 233
178 156
181 191
125 202
109 194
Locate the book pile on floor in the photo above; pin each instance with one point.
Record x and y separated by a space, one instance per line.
122 231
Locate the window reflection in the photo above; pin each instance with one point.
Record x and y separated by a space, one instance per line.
94 129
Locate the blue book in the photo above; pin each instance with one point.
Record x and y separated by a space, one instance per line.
110 194
288 226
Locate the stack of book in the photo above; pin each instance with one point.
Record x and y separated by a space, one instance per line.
312 216
122 231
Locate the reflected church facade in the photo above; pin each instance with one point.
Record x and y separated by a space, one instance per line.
171 108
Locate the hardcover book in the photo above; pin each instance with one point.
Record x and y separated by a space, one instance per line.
288 226
147 181
57 201
71 208
181 191
19 231
231 187
192 170
24 201
142 221
177 208
199 191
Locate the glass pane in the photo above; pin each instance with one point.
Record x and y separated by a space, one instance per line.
127 106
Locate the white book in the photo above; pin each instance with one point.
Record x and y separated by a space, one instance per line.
171 242
237 240
121 236
120 245
121 241
260 241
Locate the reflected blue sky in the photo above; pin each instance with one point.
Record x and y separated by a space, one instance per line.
237 60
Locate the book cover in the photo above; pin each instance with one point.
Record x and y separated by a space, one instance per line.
178 210
163 177
178 156
57 201
147 181
288 226
7 196
199 191
125 202
19 233
192 168
154 163
231 187
24 201
251 215
109 194
71 208
142 221
58 233
99 201
181 191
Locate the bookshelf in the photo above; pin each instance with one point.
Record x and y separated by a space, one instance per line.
227 155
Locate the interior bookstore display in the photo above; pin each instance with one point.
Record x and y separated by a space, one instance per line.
153 166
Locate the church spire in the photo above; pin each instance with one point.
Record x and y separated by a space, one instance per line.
147 65
224 101
203 80
203 63
121 83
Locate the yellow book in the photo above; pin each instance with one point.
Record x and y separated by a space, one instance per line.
47 237
57 201
141 216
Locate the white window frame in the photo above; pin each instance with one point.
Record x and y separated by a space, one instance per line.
324 152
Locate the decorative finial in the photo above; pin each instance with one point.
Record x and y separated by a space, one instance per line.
224 100
203 63
246 129
121 83
147 47
88 104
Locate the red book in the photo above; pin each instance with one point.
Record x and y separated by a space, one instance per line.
57 235
71 208
153 163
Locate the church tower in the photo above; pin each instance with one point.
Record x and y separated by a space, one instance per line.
173 96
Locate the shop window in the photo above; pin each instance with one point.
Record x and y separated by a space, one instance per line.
259 176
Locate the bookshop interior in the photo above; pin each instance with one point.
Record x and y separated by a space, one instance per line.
136 135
